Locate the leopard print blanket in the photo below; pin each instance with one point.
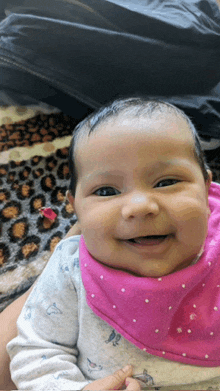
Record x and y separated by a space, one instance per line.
34 173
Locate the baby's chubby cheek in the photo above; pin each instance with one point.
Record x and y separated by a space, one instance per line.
94 236
192 228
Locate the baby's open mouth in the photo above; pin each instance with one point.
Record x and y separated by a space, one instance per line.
148 240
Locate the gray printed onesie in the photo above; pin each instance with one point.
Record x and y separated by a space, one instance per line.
63 345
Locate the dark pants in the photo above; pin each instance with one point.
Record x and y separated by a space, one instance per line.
79 55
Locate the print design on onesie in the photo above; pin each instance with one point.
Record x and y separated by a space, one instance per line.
64 373
76 263
146 379
112 336
93 366
52 309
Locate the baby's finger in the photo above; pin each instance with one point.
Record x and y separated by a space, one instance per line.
132 384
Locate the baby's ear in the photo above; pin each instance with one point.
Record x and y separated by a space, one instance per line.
209 180
208 183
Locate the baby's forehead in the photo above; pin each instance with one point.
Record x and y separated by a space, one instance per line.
150 125
130 127
168 125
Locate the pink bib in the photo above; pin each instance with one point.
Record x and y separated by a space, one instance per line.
176 316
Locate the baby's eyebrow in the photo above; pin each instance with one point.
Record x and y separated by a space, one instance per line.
148 172
109 174
159 166
119 174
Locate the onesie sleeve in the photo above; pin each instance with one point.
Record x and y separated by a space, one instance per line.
44 354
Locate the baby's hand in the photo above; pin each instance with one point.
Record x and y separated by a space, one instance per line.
119 380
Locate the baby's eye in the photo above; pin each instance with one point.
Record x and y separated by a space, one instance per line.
106 191
167 182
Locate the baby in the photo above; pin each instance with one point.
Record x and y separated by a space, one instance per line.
140 286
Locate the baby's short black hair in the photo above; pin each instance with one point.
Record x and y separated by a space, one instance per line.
134 107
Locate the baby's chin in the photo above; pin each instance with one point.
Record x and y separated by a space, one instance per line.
152 268
159 272
145 273
166 271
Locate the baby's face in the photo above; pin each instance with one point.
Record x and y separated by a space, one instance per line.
139 178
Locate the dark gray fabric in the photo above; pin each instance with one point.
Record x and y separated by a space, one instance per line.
92 51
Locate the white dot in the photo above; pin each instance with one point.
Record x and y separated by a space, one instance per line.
85 265
159 279
170 308
209 263
93 295
189 331
101 277
192 316
183 285
134 320
211 333
123 289
206 356
114 306
156 331
179 330
144 349
146 301
194 306
216 308
184 354
203 284
163 352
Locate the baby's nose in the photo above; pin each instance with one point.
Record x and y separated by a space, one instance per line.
140 205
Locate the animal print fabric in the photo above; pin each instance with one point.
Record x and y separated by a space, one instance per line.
34 173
